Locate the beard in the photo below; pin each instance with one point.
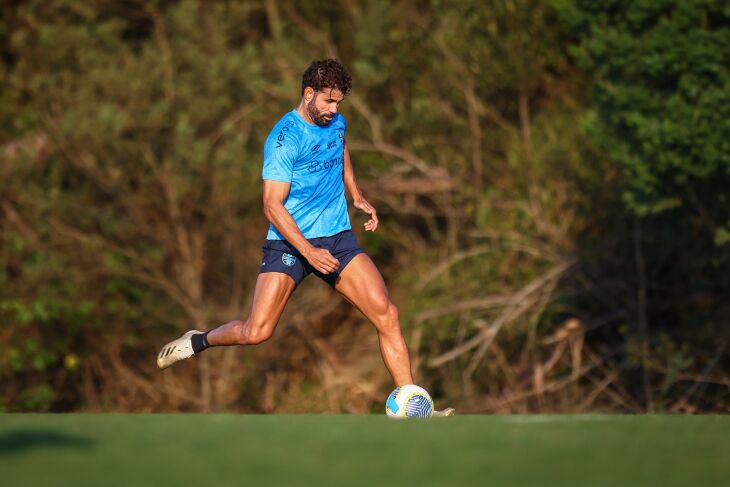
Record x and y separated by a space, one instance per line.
320 119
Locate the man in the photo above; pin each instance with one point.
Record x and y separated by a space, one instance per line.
305 172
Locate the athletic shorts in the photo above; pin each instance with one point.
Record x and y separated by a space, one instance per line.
281 256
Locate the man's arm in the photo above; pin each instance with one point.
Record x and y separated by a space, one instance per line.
357 198
275 193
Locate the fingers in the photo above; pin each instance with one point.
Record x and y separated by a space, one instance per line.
327 268
324 262
324 269
330 260
372 224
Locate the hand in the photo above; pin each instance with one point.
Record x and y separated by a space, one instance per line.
322 260
362 204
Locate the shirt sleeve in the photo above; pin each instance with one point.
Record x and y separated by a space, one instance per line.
280 153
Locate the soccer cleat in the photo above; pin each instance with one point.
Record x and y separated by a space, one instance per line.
444 413
176 350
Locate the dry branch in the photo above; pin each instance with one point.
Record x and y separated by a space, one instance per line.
513 302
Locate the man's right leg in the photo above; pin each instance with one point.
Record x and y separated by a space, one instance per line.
269 298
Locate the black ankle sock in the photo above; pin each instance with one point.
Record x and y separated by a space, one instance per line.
199 342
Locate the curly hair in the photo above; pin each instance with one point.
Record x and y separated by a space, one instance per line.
327 73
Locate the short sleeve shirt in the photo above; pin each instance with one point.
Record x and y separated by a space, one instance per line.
309 157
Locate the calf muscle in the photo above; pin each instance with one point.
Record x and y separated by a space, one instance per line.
362 285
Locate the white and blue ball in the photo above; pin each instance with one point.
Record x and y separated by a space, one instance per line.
409 401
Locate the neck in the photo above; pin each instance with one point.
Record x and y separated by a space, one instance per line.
302 110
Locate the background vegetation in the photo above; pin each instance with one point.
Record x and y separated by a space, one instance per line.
553 179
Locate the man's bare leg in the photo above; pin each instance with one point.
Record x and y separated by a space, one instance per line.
362 285
269 298
271 294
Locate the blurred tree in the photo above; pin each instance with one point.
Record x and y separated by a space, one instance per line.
660 109
143 176
662 100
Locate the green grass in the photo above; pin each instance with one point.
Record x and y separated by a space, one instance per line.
325 450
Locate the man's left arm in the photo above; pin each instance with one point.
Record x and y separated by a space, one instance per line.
358 200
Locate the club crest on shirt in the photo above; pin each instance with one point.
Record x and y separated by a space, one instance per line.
288 259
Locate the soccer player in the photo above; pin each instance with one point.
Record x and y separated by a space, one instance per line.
305 172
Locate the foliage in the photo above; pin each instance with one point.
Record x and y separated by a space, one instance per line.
661 98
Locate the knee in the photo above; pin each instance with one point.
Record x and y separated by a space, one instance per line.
390 321
393 314
256 332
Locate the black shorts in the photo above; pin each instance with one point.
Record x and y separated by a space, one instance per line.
281 256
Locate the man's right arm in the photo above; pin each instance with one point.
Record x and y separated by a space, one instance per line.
275 193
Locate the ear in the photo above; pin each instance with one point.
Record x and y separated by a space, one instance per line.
308 93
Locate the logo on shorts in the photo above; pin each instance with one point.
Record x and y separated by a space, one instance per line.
288 259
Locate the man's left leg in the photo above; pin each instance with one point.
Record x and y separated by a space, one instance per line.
361 284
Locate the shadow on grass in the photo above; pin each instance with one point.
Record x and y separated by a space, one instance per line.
22 440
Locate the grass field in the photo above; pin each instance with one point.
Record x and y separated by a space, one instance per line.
328 450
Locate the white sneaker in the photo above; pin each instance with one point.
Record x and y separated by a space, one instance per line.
444 413
176 350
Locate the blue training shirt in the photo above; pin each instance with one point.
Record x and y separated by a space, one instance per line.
309 157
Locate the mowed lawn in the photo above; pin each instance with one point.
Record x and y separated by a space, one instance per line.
343 450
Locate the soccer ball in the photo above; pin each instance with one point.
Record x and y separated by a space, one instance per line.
409 401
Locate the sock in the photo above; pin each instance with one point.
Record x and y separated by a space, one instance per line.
199 341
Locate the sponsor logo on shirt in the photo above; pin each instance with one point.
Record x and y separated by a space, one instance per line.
282 133
317 166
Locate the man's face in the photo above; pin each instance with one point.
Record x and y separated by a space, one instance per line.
322 105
